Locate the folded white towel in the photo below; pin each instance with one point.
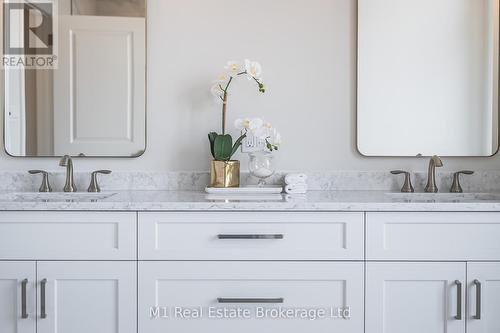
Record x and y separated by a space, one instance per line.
296 188
296 178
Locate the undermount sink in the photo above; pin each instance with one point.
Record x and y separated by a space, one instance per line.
54 197
444 197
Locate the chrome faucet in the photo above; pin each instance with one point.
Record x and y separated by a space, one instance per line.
434 163
67 162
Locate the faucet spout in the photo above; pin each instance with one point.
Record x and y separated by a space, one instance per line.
67 162
434 163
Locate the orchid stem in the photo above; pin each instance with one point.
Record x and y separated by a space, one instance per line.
224 113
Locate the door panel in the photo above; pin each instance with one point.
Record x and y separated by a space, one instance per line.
484 289
83 297
12 275
414 297
99 88
170 286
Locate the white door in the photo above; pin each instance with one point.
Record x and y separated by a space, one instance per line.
483 314
171 293
84 297
99 87
15 94
415 297
17 297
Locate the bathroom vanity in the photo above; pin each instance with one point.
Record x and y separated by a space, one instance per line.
121 262
186 262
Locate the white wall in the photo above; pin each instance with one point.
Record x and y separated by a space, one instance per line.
307 48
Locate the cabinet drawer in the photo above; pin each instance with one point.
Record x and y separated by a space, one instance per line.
433 236
251 236
254 287
68 235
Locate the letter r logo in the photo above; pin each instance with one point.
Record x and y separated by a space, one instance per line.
28 27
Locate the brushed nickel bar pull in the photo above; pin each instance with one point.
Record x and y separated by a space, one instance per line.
24 313
273 236
43 312
477 283
251 300
459 300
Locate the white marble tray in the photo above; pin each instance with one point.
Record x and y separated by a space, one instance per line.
245 190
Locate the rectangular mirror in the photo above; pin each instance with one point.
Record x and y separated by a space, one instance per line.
92 102
428 77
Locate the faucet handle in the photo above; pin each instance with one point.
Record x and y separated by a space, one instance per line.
45 187
94 185
407 186
456 187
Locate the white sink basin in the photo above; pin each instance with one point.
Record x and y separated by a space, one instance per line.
443 197
55 197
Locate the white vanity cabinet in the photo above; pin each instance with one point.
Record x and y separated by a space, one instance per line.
152 272
425 272
81 275
260 261
17 297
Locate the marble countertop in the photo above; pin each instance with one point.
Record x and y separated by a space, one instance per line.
200 201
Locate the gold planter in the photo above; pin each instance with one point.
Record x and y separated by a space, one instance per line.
225 174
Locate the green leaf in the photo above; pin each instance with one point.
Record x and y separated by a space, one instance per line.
222 147
237 144
211 138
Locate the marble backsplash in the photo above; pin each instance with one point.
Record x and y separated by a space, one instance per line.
483 181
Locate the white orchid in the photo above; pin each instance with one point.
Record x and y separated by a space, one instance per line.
255 124
242 124
223 78
248 124
261 130
233 68
253 69
216 90
220 89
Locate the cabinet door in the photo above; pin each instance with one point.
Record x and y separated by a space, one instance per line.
259 290
83 297
415 297
484 297
17 297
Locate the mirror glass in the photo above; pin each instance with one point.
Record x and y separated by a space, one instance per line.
91 101
428 77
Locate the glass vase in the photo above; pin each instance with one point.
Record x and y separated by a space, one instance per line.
261 166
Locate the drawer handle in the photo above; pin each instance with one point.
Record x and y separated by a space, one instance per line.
274 236
43 312
251 300
24 313
459 300
477 283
